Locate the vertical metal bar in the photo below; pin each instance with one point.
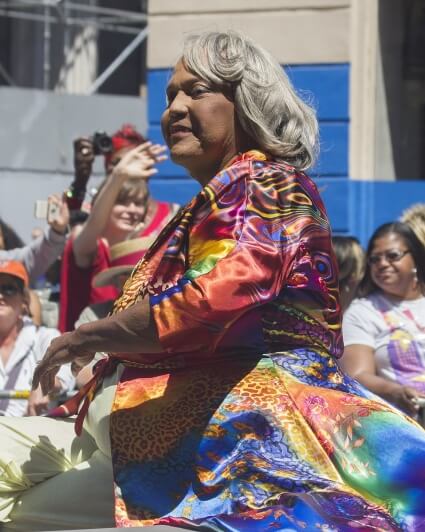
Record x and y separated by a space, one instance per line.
66 35
118 61
46 45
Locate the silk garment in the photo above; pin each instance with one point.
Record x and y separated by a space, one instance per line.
244 421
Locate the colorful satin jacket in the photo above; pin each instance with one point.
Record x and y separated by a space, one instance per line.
248 264
244 421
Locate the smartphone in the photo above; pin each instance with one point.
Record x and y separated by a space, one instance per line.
46 210
40 209
52 211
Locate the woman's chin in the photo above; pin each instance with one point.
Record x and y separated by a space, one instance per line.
127 227
391 289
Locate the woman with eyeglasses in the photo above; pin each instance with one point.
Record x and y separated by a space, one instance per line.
22 346
384 329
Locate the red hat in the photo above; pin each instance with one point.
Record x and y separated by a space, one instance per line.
126 137
124 257
16 269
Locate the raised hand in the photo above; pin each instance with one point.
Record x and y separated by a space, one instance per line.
139 162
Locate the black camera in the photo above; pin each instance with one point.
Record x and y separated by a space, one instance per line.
102 143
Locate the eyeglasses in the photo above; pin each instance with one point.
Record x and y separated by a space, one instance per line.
9 290
390 256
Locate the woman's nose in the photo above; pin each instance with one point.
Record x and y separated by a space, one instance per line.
179 104
383 262
134 208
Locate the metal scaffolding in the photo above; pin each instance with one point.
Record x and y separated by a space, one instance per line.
71 14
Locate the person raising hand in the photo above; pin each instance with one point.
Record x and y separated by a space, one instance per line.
117 211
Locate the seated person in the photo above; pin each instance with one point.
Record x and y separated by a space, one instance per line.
22 345
350 258
118 212
384 330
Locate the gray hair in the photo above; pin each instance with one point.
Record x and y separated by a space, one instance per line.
265 101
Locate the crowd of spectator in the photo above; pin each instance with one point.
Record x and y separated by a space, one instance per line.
71 273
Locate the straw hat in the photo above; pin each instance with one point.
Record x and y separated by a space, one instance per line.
124 256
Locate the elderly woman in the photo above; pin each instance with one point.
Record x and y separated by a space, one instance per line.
221 406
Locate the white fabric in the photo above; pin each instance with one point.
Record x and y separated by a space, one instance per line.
94 312
50 479
30 344
365 324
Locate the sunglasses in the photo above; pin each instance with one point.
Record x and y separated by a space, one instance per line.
9 290
390 256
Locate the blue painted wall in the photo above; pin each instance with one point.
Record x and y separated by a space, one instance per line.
323 86
354 207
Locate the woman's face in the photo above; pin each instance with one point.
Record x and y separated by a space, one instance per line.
392 266
199 125
126 216
12 301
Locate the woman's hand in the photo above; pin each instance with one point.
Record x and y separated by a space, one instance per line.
406 398
70 347
139 162
60 222
130 331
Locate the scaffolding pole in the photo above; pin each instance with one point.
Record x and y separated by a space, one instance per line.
69 14
118 61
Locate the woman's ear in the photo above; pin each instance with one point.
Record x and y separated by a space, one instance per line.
34 307
26 301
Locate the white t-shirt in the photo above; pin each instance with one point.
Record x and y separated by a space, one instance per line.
396 332
30 346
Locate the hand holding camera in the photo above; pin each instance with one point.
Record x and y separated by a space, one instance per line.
85 150
55 211
84 153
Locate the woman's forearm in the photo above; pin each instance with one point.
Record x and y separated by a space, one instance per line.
127 335
85 244
130 331
376 384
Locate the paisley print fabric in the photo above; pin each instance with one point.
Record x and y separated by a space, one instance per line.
244 421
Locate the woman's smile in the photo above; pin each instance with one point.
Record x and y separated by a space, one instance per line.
179 131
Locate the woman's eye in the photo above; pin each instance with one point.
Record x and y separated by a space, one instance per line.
199 90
